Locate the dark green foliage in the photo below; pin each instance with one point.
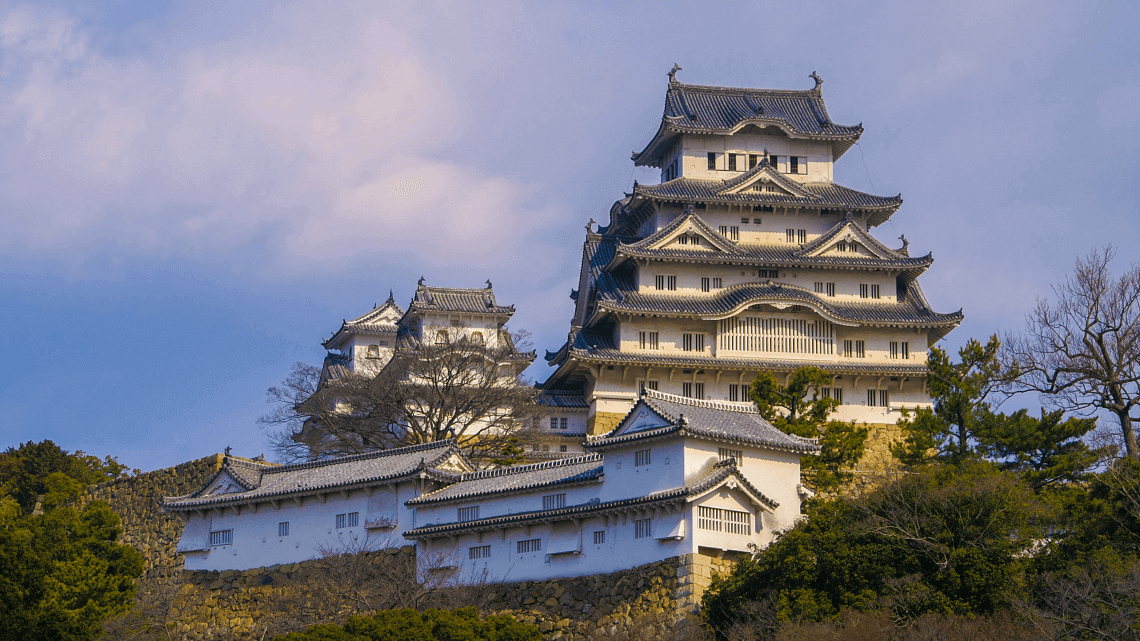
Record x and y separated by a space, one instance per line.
959 390
61 573
945 540
799 408
24 470
1045 451
463 624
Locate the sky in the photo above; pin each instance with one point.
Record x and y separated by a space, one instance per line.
195 194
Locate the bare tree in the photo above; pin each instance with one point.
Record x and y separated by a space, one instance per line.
1082 351
448 387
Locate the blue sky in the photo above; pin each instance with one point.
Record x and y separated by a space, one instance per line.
195 194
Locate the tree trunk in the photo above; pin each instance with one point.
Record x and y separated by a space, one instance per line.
1129 435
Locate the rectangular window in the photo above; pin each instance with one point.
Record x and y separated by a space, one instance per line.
721 520
717 283
734 392
641 457
819 288
353 519
283 528
743 221
468 513
705 284
769 273
599 537
684 240
831 289
528 546
479 552
699 342
672 283
756 221
642 528
553 501
725 453
753 160
874 291
687 390
775 162
793 164
643 340
699 391
894 349
644 385
864 290
860 349
562 423
841 245
848 349
712 160
561 448
553 423
222 537
790 235
653 342
906 351
801 236
734 233
834 392
731 161
341 521
659 282
723 230
687 342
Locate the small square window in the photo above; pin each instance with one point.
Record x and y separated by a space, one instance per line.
642 528
283 528
641 457
599 537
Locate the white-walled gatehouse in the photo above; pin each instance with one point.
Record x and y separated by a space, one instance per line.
677 476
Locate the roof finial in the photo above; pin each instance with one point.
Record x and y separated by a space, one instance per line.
590 225
818 81
391 297
228 450
673 73
421 281
905 242
488 283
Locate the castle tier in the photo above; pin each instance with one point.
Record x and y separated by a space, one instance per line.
747 257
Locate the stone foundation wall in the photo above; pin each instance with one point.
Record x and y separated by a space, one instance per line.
877 461
602 422
138 502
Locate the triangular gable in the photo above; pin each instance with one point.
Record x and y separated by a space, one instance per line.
765 177
687 224
389 312
455 463
838 241
641 418
735 482
223 483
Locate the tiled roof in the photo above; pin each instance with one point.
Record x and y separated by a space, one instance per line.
911 312
724 110
373 322
718 474
567 471
789 255
824 195
718 420
450 299
562 398
282 481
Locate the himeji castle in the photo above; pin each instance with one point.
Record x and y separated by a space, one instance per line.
747 257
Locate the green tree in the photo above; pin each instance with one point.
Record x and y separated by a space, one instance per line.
798 407
945 539
1045 451
961 410
61 572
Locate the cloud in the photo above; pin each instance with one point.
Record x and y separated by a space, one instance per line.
286 146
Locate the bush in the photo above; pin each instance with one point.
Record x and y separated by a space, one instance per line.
463 624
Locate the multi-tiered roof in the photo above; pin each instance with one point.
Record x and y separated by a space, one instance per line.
607 284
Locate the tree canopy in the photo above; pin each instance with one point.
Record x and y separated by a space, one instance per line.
430 625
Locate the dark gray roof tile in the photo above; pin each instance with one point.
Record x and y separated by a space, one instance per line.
567 471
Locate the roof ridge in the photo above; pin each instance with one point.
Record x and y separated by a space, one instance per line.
447 443
520 469
807 93
727 406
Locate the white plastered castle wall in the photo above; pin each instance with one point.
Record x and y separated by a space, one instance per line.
254 529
